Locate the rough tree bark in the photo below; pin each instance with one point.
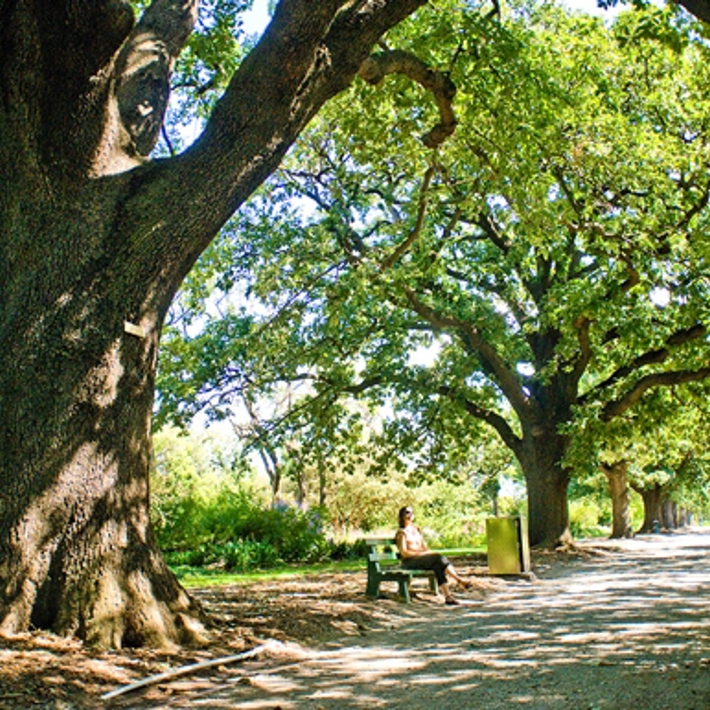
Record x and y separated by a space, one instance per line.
94 242
652 506
699 8
547 481
617 478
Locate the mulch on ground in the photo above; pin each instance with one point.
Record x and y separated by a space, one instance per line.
38 670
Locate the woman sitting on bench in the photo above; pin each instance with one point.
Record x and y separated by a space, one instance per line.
415 554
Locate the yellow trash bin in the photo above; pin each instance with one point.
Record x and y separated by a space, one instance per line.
508 547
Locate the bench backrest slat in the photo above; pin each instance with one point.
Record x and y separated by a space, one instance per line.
382 553
375 541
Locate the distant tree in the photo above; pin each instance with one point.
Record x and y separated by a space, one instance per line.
658 450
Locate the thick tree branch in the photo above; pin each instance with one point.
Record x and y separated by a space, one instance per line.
506 378
309 53
660 379
402 248
582 325
652 357
143 71
492 232
55 75
699 8
376 67
491 418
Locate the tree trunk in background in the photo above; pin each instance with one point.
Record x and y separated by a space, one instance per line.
619 491
547 482
272 466
301 487
322 483
652 513
669 514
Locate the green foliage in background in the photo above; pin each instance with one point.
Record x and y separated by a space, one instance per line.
210 513
534 278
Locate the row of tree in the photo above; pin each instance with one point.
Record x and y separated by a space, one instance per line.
550 258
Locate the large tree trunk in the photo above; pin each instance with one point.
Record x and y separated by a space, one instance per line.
94 242
547 482
616 475
77 554
652 511
77 550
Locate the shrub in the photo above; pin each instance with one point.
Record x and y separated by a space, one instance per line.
296 535
584 515
243 555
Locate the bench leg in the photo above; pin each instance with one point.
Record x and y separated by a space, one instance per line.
404 590
433 585
373 587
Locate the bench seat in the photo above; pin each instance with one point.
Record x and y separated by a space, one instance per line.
383 565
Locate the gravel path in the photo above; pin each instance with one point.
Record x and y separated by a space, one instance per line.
626 628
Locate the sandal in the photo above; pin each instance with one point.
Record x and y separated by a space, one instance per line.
451 601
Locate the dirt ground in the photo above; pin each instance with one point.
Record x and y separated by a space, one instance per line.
614 625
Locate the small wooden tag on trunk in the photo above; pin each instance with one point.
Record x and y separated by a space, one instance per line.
134 329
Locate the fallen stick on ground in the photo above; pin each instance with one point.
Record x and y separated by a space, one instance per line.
184 670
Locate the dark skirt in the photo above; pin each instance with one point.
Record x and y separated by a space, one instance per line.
434 561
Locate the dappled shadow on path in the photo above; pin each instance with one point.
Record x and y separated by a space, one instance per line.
624 628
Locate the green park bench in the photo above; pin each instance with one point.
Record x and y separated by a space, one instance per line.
383 565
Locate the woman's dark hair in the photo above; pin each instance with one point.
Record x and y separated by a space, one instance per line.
402 512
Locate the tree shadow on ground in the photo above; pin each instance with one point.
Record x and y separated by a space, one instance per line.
616 625
623 628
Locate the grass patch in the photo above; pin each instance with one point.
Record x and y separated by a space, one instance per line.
201 577
194 577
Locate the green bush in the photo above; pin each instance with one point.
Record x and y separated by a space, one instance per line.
584 515
243 555
188 558
344 550
235 530
296 535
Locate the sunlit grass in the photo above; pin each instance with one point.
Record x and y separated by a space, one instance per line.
192 577
201 577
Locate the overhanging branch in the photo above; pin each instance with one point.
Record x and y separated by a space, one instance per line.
414 233
660 379
377 66
310 52
653 357
491 418
507 380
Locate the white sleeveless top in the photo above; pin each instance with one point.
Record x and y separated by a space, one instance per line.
414 538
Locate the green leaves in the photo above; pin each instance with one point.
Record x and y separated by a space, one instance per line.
548 249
